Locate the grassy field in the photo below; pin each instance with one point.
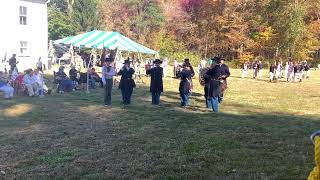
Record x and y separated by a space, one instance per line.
262 132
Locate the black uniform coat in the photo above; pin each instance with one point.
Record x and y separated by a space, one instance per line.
213 83
156 74
126 81
224 71
185 83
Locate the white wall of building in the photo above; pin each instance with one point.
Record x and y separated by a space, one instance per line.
35 32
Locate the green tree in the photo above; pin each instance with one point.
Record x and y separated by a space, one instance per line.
59 24
86 15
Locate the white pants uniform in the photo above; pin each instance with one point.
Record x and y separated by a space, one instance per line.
7 90
260 74
271 76
244 73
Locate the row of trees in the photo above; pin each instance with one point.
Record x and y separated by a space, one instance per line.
240 30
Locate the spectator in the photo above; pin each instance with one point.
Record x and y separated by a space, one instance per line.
65 84
95 77
39 65
5 87
30 83
73 74
40 81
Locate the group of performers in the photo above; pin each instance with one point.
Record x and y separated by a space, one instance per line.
213 78
291 72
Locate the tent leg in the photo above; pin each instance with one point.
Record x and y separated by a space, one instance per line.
88 66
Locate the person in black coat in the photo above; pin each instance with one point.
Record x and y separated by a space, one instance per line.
185 84
126 83
204 81
224 73
156 87
212 88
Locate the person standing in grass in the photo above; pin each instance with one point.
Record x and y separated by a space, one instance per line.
126 83
213 87
244 70
156 86
224 74
108 71
272 71
260 65
185 84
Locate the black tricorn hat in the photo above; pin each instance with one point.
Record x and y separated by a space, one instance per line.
127 61
108 59
218 59
186 64
157 61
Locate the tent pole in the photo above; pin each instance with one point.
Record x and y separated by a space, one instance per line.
88 66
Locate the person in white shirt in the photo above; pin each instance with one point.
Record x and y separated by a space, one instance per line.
175 65
245 70
108 71
40 81
165 66
30 83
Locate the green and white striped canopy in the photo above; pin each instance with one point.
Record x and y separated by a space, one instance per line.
102 39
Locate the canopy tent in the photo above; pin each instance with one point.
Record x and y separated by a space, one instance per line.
105 39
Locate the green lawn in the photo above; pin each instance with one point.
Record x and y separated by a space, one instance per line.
262 132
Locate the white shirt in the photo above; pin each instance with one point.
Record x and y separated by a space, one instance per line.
106 74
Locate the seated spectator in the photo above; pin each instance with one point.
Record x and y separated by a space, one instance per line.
40 81
5 87
65 84
30 83
73 74
95 76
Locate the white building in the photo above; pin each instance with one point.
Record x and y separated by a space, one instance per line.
24 32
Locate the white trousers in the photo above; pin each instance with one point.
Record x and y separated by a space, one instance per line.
244 73
33 89
271 76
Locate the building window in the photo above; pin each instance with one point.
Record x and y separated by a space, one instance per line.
23 47
23 15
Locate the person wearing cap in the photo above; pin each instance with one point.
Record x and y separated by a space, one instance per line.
108 71
224 74
185 86
156 86
212 86
126 82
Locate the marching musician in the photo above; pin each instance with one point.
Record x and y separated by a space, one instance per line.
126 83
213 82
185 86
108 71
156 86
224 74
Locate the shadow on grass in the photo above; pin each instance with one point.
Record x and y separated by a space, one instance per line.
73 135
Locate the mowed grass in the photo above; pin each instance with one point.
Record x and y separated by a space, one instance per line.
262 132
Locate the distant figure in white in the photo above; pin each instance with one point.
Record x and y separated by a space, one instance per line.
165 66
244 70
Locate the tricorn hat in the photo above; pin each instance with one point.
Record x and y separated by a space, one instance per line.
108 59
127 61
157 61
217 59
